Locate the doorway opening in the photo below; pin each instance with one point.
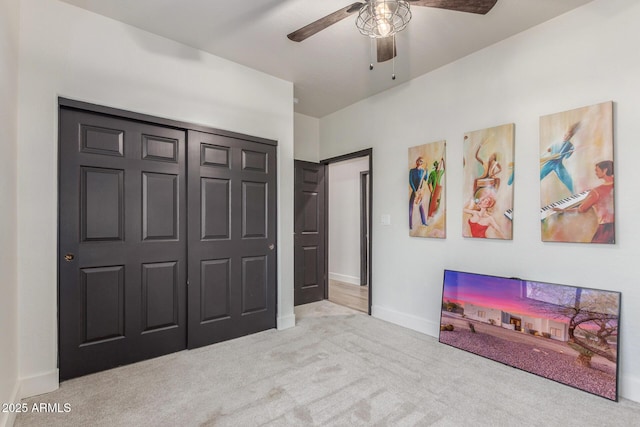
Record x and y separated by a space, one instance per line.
348 230
517 323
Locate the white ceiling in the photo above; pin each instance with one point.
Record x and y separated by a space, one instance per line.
330 70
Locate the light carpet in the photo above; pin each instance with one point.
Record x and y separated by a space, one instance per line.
337 367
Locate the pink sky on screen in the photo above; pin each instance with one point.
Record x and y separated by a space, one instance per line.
489 291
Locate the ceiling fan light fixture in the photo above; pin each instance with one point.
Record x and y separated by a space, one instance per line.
383 18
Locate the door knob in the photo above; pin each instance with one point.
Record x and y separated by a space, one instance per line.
69 257
271 246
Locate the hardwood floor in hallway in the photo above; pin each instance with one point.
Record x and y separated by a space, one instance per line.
349 295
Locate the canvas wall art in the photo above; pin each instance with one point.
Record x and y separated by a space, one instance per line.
488 173
427 210
576 175
568 334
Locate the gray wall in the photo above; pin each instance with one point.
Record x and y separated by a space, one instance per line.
8 186
307 138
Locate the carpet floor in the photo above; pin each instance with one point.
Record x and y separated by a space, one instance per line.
337 367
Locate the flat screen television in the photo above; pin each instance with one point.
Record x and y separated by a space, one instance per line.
568 334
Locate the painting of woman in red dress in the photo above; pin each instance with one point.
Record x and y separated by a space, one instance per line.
481 219
488 189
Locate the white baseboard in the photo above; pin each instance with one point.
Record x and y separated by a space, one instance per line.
39 384
286 322
9 418
344 278
406 320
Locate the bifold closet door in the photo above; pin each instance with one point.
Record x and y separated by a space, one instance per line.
232 237
139 270
122 243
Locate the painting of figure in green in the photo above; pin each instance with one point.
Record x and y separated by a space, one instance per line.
427 211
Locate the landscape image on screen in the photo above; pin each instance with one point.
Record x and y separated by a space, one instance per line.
564 333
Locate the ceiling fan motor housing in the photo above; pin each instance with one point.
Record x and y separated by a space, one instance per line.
383 18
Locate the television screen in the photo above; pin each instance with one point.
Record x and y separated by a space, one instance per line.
568 334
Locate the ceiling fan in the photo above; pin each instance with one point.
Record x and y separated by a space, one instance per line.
381 14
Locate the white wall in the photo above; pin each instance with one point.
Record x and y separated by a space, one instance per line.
306 134
584 57
67 51
344 219
9 16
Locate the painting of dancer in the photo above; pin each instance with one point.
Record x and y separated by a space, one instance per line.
488 172
577 175
427 211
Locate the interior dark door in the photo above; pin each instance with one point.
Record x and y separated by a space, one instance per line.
122 268
232 236
309 227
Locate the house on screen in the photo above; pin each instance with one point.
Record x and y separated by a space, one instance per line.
517 322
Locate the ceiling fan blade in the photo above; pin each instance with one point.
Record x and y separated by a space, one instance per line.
322 23
472 6
386 48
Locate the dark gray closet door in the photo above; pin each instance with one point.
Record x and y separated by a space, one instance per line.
122 242
232 237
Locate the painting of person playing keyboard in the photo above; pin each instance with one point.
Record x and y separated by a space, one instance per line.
577 204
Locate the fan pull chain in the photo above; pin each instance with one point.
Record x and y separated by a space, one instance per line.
371 54
393 73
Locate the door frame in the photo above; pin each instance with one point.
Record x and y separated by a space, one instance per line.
146 118
365 213
356 154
